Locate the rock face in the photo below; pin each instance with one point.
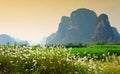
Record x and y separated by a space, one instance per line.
116 35
103 31
56 38
83 26
63 27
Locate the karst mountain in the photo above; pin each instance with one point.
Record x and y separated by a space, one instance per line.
84 26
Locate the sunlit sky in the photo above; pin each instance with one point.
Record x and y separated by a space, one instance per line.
35 19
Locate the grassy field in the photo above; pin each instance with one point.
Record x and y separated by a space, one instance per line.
99 59
100 51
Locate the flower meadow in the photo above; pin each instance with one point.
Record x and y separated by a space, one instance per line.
55 60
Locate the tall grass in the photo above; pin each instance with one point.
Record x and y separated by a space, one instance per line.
37 60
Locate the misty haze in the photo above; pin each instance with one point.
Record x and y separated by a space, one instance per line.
59 37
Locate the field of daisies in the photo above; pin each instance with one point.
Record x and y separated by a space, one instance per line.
60 60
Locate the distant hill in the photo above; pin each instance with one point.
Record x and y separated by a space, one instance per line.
6 39
84 26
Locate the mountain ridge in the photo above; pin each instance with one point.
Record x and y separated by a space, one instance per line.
84 26
7 39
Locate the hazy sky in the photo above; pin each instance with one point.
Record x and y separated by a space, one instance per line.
35 19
